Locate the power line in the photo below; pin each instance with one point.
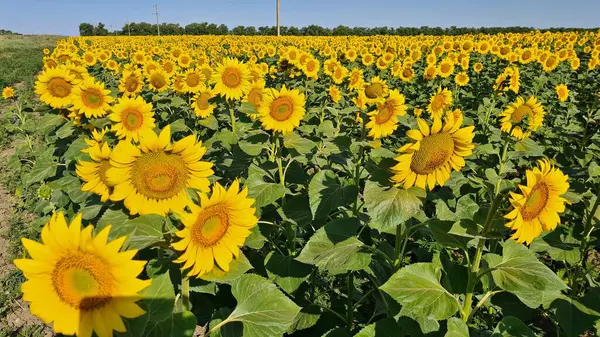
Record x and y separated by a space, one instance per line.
157 24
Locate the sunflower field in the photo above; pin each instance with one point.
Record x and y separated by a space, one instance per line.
314 186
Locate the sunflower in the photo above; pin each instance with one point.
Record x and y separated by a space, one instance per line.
375 91
133 117
334 93
536 209
282 110
478 67
90 98
97 138
55 86
339 74
255 96
383 121
434 154
355 78
201 104
8 92
311 68
446 68
439 102
215 230
562 92
94 172
79 282
522 117
461 79
231 79
159 80
430 72
131 82
153 177
193 81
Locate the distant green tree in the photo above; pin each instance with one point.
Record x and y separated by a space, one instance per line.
86 29
100 30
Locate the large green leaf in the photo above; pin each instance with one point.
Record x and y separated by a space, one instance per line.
387 327
263 192
159 298
142 231
511 326
335 249
112 217
237 268
306 318
519 271
457 328
286 272
391 207
326 194
417 288
261 307
296 142
44 167
573 316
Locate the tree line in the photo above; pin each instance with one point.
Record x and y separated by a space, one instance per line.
205 28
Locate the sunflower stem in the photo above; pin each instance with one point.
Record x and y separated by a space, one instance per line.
185 294
587 230
359 164
350 311
232 116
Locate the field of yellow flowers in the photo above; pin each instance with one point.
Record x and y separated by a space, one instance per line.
316 186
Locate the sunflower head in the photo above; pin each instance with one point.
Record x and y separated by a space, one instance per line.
231 79
8 92
91 98
132 117
55 86
80 282
522 117
215 230
158 80
562 92
383 121
536 208
282 110
433 154
154 177
201 102
439 102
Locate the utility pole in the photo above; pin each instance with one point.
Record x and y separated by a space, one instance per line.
157 24
278 30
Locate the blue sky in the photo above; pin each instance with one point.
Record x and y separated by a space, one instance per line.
63 16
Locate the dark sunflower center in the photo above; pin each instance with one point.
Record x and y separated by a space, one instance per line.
192 79
104 166
58 87
132 83
374 90
310 66
445 68
232 78
282 108
438 102
520 113
82 281
255 97
537 200
158 81
202 101
434 152
132 119
92 98
210 226
159 175
386 111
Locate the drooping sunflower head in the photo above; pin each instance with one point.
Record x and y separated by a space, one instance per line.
439 102
256 95
375 90
55 86
154 176
562 92
80 282
536 208
131 82
383 121
282 110
132 117
231 79
215 230
433 154
93 173
334 93
355 81
201 102
522 117
158 80
90 98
